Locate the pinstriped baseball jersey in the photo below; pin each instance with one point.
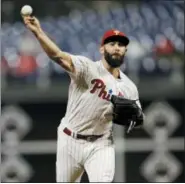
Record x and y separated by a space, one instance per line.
89 110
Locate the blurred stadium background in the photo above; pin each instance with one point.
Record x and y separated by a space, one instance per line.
34 89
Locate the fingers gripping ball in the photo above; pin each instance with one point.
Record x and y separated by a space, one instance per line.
26 10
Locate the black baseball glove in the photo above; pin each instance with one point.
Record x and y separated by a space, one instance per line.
126 112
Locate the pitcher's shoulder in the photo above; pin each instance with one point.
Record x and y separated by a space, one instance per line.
128 82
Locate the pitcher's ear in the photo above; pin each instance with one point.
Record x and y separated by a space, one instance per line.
101 50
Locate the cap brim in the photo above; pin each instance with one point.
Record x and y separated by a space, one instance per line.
122 39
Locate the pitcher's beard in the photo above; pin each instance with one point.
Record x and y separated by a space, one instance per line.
113 60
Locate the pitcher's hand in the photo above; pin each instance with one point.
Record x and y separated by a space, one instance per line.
32 23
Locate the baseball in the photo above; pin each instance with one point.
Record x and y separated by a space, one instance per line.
26 10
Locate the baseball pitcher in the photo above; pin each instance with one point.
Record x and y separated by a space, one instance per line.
100 94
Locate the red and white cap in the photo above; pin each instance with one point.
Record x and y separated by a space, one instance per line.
114 34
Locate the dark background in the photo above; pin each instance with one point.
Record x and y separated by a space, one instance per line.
35 90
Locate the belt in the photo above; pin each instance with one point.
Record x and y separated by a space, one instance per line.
89 138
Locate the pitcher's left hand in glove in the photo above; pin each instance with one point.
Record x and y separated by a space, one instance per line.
126 112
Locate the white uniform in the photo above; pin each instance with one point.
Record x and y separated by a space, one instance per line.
89 112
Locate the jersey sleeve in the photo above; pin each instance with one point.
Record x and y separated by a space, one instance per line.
81 64
135 96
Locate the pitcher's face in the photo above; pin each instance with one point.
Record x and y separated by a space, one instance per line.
114 53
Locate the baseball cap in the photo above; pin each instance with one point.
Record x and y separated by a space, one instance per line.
114 35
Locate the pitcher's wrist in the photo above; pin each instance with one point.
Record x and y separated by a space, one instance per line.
38 32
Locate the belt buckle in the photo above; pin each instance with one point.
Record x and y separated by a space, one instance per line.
90 138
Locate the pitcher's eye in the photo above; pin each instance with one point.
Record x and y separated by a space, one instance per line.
112 43
121 44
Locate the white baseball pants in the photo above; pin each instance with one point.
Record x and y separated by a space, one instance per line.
75 155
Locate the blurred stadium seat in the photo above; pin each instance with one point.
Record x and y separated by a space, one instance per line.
35 89
80 33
